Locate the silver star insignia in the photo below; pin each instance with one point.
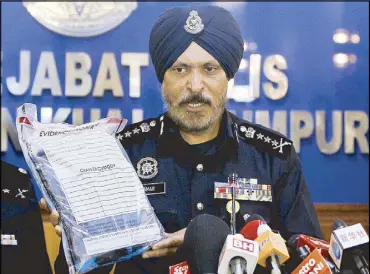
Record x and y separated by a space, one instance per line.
267 139
6 190
136 131
128 134
260 136
274 143
119 136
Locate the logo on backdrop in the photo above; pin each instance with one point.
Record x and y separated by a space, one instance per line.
80 19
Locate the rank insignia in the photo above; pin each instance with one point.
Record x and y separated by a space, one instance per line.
145 127
265 140
20 193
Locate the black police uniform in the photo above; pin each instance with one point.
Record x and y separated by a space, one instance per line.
23 248
179 179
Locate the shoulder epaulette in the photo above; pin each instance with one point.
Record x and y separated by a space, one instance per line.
265 140
136 133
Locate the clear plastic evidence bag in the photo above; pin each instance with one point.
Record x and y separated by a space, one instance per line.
85 174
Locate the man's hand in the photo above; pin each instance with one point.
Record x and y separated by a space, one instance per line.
167 246
54 216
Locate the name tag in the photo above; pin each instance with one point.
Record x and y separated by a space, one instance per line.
155 188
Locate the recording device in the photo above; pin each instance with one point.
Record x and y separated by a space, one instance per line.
346 243
273 251
233 182
203 241
311 243
308 255
207 237
313 263
238 255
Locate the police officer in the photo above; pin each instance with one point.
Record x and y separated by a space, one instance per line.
23 248
185 156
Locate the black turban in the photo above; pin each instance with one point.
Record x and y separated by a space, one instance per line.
218 33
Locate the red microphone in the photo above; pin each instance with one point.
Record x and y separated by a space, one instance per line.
250 230
312 243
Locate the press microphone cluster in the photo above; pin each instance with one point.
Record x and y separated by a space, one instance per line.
212 249
215 248
313 253
273 251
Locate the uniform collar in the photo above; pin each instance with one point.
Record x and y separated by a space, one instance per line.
170 144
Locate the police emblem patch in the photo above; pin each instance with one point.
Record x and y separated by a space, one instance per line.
147 168
80 19
194 23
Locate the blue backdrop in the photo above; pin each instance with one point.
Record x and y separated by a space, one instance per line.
320 51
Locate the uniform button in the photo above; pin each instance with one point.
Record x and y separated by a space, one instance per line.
200 206
200 167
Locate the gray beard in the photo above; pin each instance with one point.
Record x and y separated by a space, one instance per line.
195 122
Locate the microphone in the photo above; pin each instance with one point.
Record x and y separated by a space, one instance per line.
207 237
250 229
311 243
238 255
346 243
313 263
304 250
273 250
203 241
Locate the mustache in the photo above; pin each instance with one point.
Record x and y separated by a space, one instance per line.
195 98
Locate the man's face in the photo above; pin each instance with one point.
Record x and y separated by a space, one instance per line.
194 89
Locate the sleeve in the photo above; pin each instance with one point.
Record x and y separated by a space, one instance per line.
296 210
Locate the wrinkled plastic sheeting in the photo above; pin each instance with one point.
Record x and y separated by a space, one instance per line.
85 174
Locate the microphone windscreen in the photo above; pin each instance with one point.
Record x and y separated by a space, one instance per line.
255 217
339 224
250 230
292 241
203 241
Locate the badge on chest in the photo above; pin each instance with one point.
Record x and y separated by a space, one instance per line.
147 168
247 190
